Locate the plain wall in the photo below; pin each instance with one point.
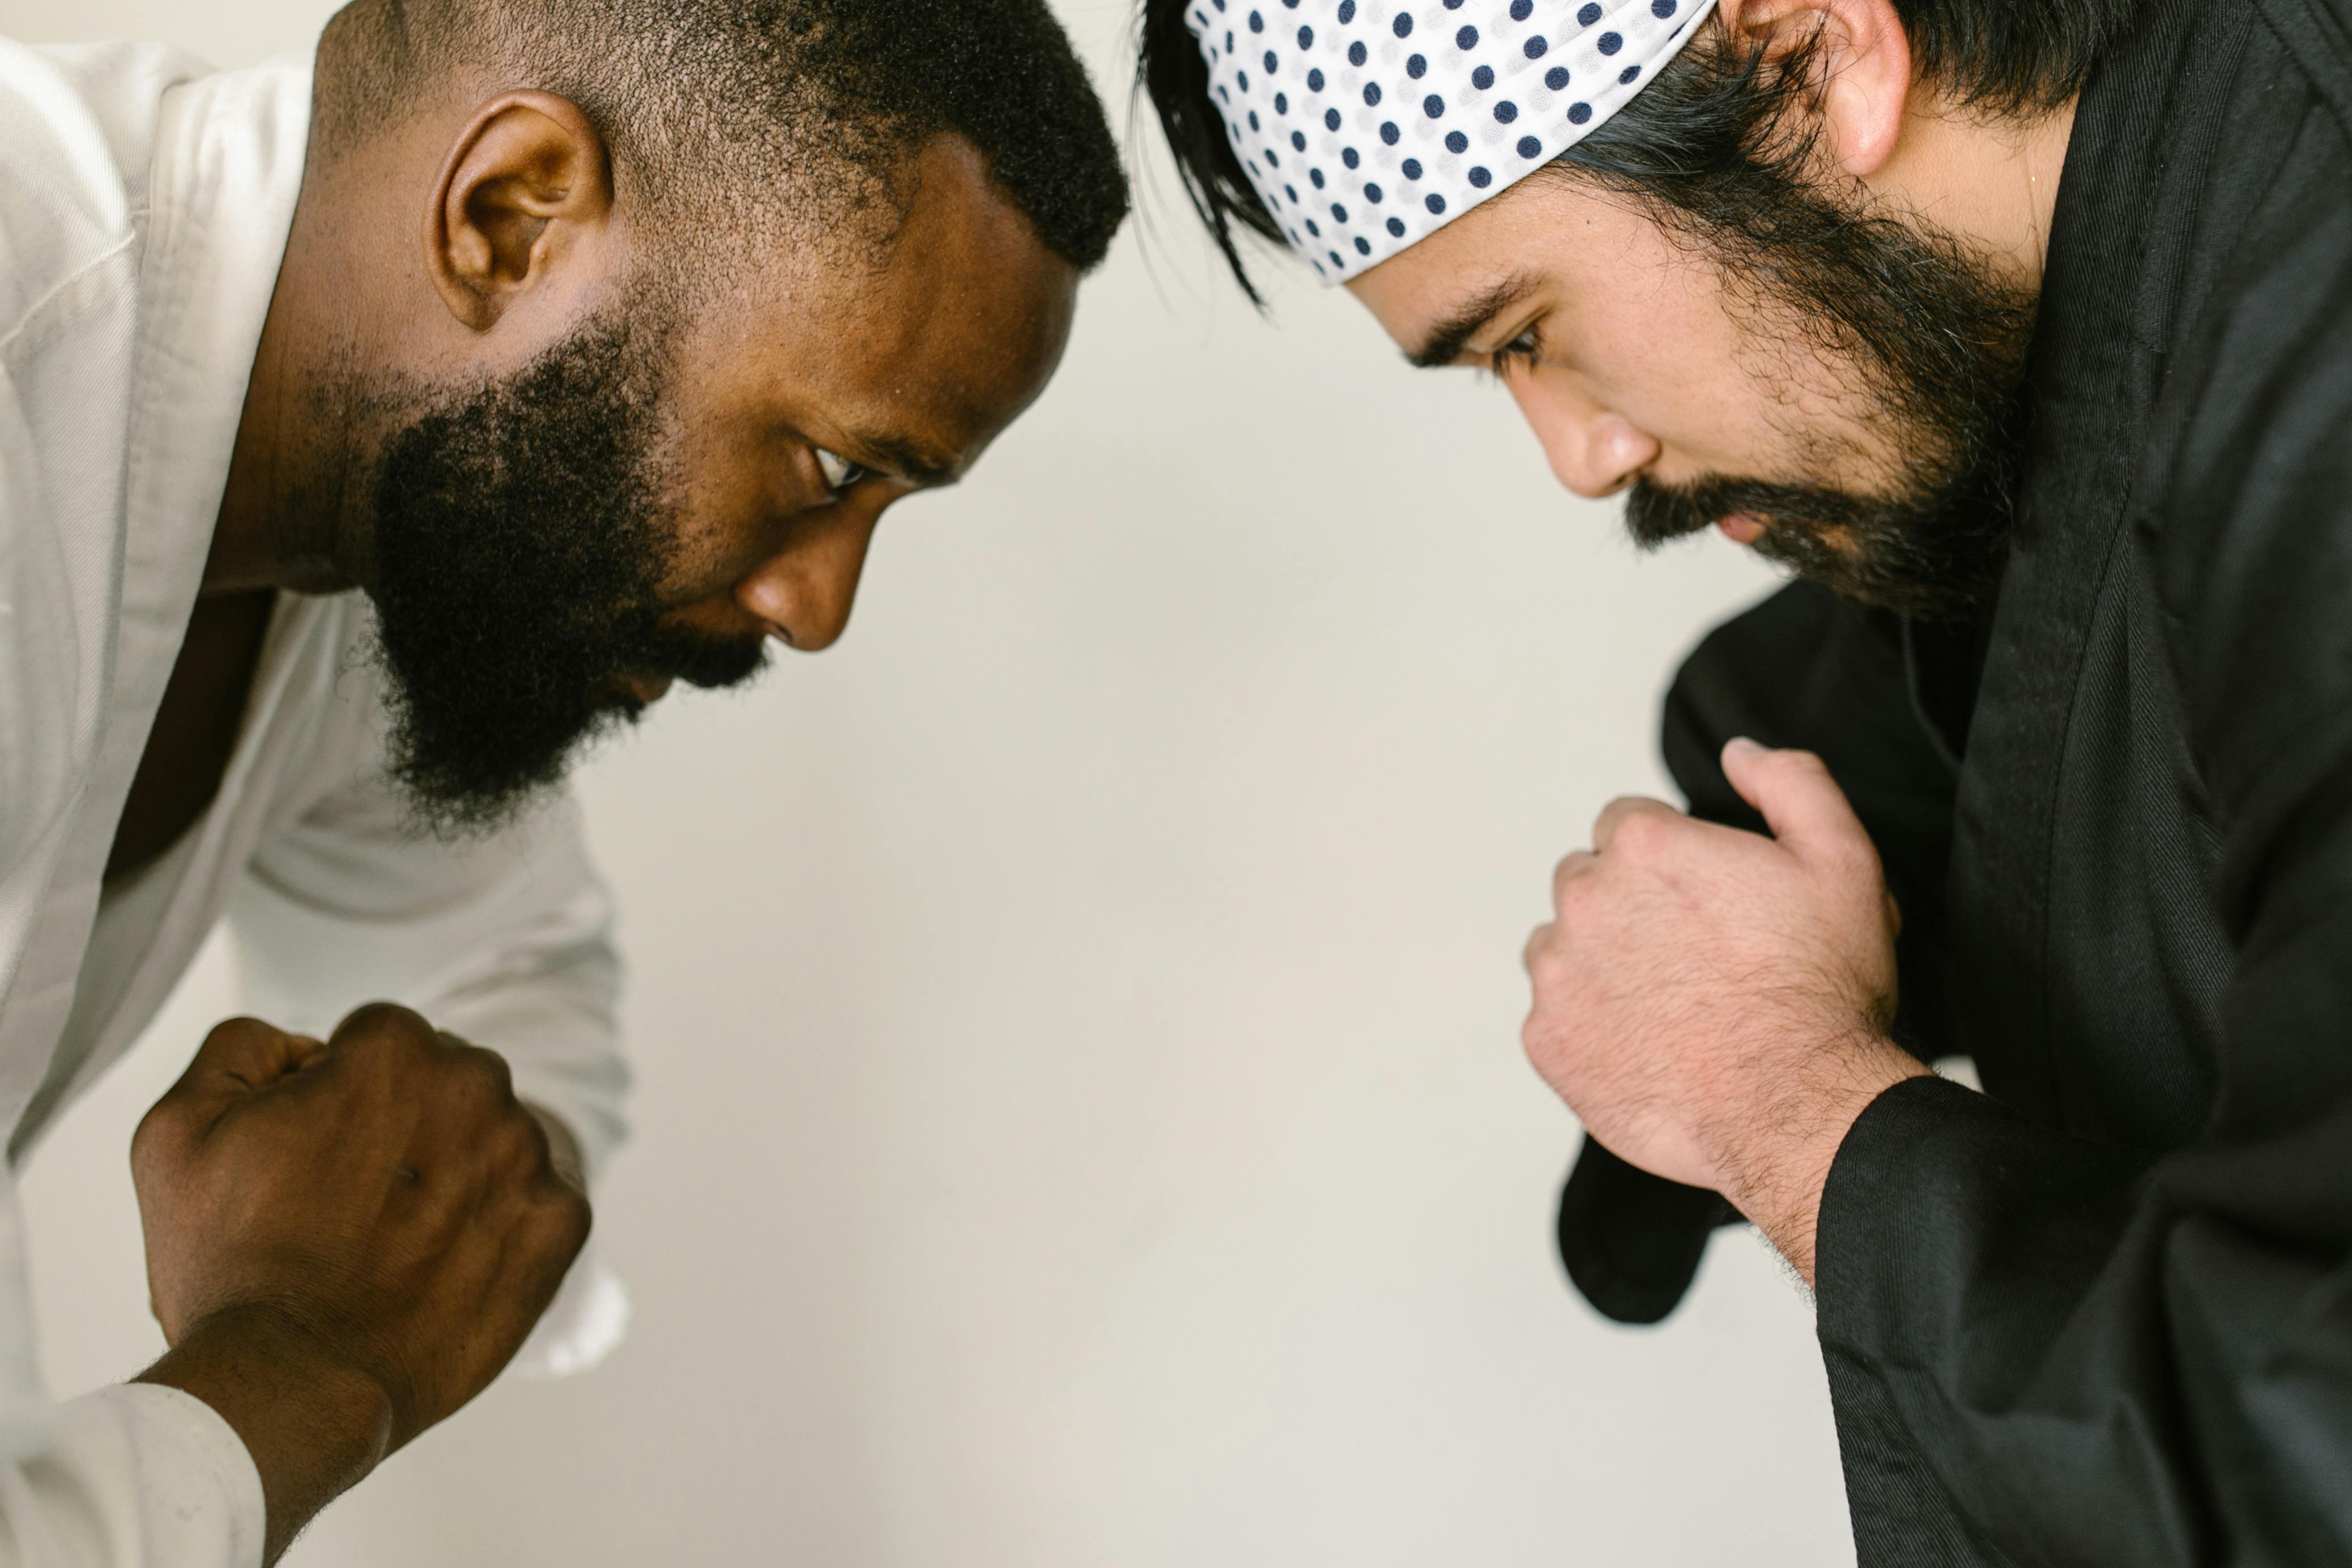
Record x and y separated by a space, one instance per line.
1082 1120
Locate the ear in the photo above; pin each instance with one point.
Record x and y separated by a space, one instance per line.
1863 61
526 189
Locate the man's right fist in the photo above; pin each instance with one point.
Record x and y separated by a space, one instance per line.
384 1197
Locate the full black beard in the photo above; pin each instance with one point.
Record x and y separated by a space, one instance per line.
1940 339
1931 554
520 544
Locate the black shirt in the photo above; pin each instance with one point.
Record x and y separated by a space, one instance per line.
2102 1313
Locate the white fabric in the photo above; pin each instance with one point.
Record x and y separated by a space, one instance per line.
145 205
140 1476
1368 125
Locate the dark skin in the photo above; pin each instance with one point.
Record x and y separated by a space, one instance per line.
347 1240
195 730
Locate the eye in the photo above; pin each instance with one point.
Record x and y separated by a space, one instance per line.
1521 351
840 473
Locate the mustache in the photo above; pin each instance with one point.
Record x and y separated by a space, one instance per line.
1657 514
1934 556
709 663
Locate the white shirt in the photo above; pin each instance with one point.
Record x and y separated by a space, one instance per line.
144 206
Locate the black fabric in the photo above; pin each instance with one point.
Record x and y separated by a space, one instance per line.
2102 1314
1804 669
1631 1241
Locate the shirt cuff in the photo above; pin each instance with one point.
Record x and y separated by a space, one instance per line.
143 1477
586 1322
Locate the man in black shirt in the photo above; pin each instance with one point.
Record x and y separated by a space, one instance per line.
2022 335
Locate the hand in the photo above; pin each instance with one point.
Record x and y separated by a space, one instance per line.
345 1242
1713 1004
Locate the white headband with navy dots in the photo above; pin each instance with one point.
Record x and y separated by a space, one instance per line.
1367 125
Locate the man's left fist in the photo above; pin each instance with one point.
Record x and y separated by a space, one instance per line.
1713 1004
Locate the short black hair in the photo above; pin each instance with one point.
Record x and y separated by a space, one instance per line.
729 104
1693 141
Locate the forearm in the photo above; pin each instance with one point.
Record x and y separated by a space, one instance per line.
1776 1153
314 1425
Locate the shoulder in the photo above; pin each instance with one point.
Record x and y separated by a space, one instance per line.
76 131
2246 509
2318 33
2258 399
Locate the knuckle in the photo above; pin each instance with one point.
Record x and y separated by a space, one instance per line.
1540 1044
562 1216
488 1071
233 1033
1850 858
1572 869
475 1090
521 1144
1643 834
383 1026
161 1136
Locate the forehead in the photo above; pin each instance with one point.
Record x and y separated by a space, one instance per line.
1552 232
937 339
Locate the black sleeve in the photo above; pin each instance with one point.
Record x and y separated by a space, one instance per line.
1804 669
2066 1352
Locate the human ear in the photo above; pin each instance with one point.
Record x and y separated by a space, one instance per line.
526 182
1862 65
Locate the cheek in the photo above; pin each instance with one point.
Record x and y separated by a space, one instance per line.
719 537
1664 355
1733 389
734 486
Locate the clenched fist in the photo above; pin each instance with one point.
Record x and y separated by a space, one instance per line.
346 1241
1713 1004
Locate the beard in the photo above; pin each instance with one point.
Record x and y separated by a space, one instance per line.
520 544
1936 338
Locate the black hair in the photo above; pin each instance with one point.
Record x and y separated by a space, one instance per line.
728 105
1711 142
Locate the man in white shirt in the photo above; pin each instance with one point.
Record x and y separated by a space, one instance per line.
363 453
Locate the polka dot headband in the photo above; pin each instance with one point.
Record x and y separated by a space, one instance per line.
1368 126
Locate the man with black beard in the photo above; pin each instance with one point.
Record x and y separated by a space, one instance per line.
2023 336
374 432
521 545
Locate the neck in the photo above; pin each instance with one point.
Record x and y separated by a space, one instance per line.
1993 182
292 464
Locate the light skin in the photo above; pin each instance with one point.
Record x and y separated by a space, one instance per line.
348 1239
1714 1005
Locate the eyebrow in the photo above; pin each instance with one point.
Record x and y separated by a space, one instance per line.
1449 337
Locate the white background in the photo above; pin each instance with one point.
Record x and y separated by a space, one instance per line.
1082 1121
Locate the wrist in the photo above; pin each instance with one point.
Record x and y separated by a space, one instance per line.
314 1422
1777 1172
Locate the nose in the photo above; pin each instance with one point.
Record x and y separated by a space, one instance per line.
807 589
1594 451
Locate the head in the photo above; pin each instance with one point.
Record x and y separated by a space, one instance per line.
1786 286
643 313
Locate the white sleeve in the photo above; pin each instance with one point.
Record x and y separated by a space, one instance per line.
133 1477
506 941
136 1476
